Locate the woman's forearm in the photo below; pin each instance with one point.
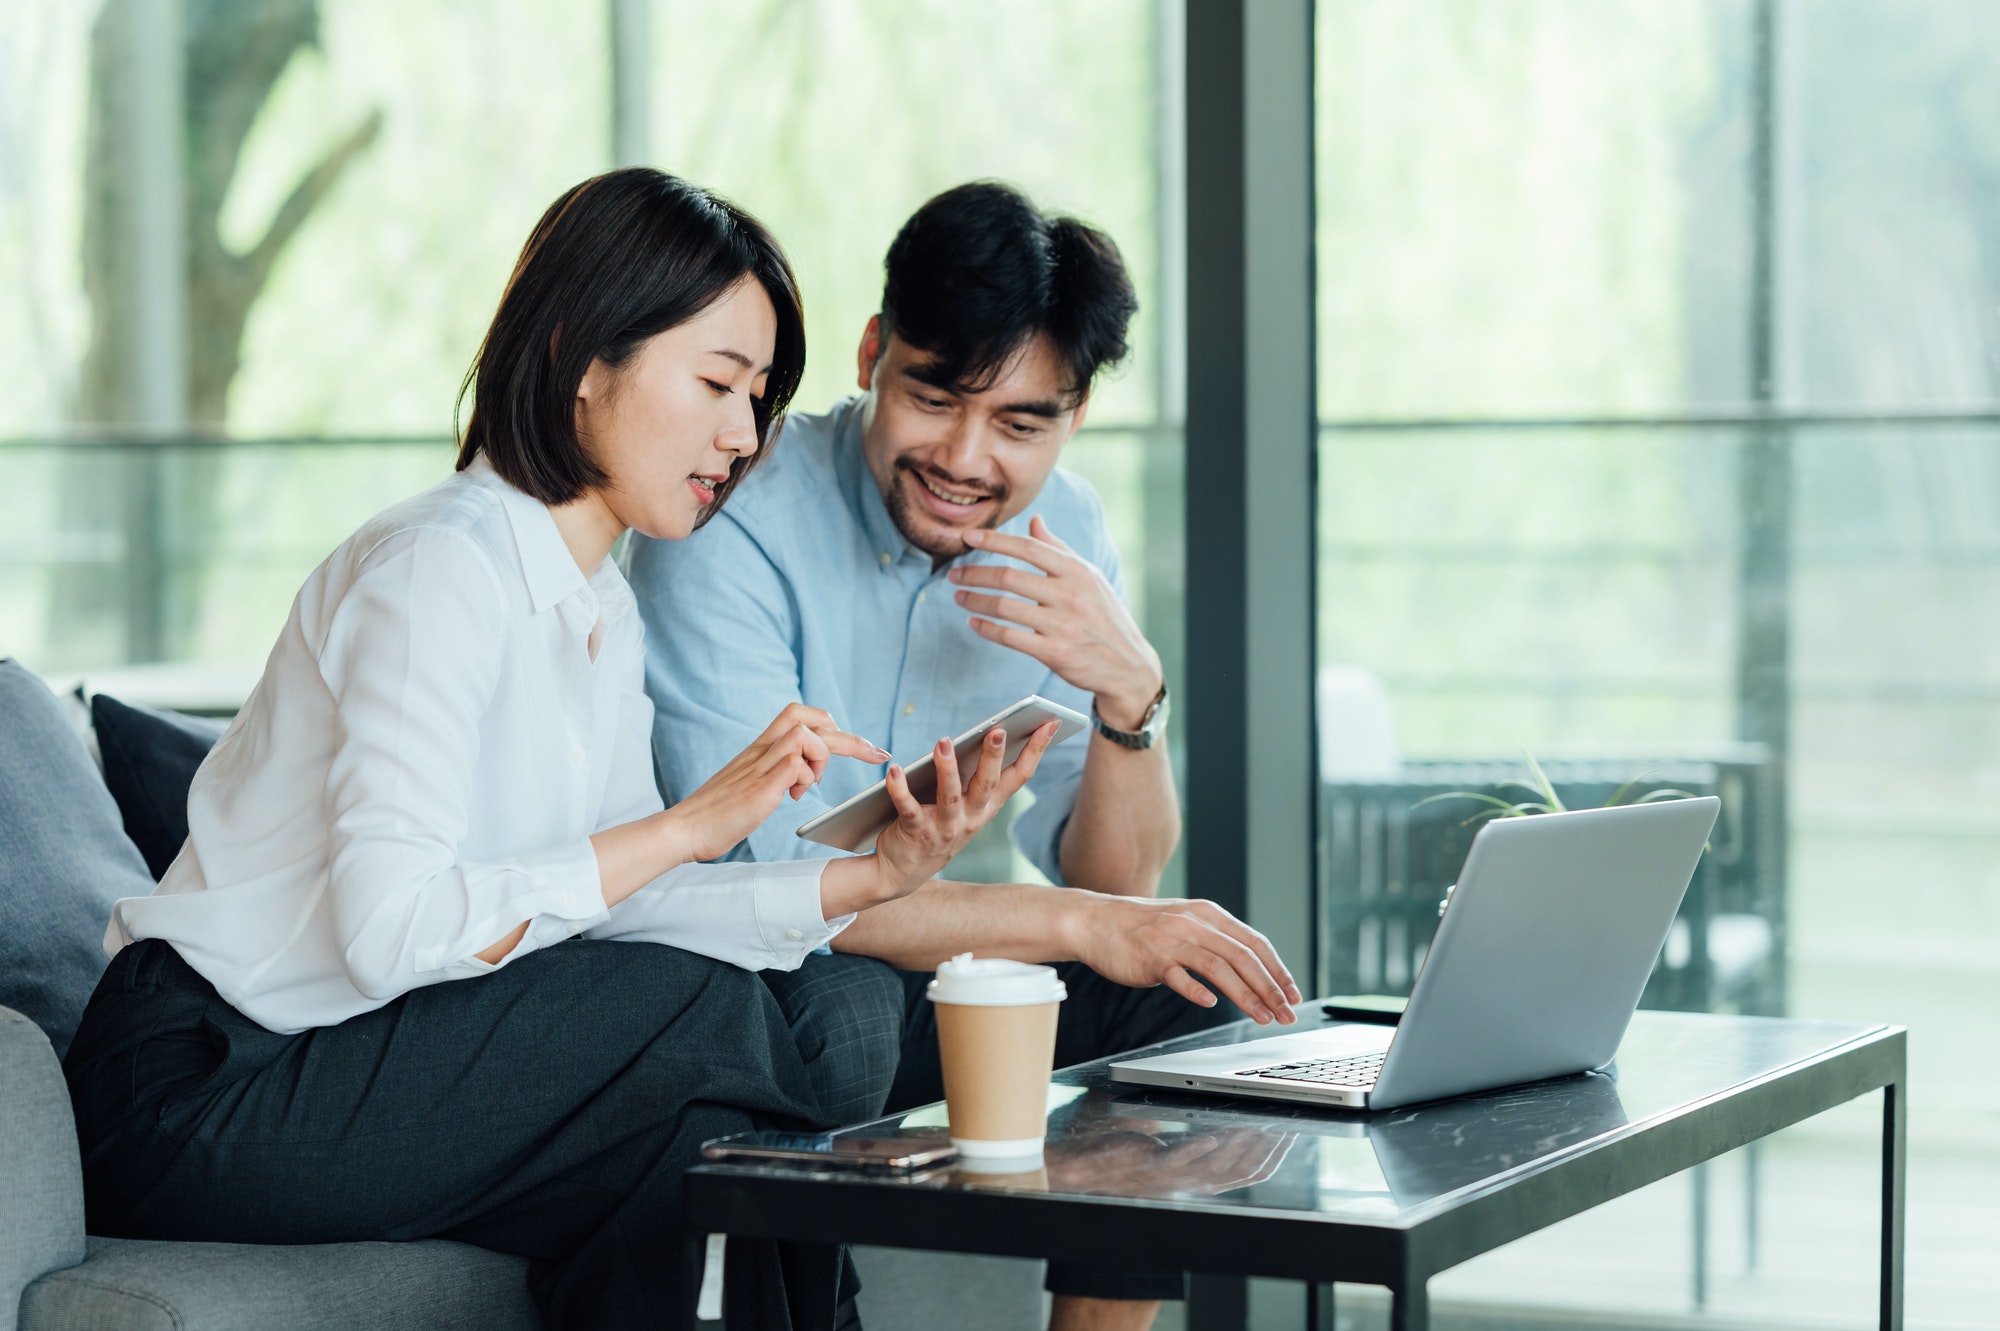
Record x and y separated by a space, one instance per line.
629 856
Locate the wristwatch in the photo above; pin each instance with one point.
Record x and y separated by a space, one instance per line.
1151 726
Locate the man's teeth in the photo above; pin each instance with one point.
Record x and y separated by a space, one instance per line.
963 501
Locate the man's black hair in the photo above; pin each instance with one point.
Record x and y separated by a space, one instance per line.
978 271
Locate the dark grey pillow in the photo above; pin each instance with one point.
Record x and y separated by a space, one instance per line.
64 859
149 761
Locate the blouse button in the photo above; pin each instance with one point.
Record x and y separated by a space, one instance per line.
794 935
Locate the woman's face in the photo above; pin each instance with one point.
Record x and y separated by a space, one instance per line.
667 426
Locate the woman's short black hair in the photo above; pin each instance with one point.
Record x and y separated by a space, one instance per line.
979 270
614 261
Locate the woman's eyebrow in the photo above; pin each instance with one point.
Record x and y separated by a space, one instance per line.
739 358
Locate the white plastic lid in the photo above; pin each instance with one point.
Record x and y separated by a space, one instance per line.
995 982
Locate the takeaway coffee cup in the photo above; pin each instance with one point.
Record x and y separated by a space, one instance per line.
997 1040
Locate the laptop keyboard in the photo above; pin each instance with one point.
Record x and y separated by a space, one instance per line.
1356 1070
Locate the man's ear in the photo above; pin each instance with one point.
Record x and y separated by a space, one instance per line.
1082 410
869 354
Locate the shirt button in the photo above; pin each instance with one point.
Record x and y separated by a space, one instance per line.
909 709
921 596
794 935
885 559
576 754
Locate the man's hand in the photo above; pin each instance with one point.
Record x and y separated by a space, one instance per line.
1070 619
1142 942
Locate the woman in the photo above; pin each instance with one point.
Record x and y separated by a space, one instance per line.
345 1014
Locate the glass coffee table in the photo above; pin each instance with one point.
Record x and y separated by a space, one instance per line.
1146 1179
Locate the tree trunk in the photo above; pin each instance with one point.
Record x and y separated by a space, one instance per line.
235 52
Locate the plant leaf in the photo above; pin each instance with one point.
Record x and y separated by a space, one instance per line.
1665 793
1542 779
1619 794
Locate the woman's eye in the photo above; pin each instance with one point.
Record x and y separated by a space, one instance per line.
720 390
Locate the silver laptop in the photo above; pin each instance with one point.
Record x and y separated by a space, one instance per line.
1535 971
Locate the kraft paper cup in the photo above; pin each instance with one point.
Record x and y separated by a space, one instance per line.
997 1041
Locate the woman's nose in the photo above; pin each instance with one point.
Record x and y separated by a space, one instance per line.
740 435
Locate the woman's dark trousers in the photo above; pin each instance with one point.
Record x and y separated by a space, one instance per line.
547 1110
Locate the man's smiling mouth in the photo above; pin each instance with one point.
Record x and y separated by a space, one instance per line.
958 498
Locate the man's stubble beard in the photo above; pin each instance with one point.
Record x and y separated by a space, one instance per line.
902 512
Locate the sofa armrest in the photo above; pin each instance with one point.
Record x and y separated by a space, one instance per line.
41 1174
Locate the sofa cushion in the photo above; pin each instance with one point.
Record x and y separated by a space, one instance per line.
64 859
41 1179
150 757
140 1285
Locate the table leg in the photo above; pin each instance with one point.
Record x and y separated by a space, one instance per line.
1410 1307
1895 1133
1319 1305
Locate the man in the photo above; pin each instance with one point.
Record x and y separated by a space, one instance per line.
914 560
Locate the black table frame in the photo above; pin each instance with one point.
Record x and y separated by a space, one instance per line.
1402 1254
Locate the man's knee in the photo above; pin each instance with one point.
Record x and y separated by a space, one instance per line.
846 1016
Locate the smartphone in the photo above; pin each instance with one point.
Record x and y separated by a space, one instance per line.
827 1150
854 824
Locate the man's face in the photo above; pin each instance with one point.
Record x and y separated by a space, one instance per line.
948 461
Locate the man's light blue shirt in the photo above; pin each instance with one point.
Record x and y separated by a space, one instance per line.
803 589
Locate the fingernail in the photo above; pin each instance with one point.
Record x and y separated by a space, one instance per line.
1264 1017
882 755
895 771
975 537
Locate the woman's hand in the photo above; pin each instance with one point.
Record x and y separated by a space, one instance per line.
924 837
788 758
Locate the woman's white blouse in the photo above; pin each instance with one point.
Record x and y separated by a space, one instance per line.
450 713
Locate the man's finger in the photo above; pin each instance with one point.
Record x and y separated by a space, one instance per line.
1038 645
1037 617
1268 992
1267 954
1181 982
1041 531
1042 554
1221 973
1003 578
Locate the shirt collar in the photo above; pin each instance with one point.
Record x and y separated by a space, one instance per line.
546 563
864 497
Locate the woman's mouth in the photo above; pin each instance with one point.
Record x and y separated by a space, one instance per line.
704 488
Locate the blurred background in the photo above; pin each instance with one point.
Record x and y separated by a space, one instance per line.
1660 439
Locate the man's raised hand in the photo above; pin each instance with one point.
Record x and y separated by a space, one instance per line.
1067 615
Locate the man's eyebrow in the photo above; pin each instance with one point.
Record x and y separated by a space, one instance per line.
1045 407
929 377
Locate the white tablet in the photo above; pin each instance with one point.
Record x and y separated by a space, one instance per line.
854 824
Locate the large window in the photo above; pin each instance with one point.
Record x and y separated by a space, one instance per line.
357 179
1661 438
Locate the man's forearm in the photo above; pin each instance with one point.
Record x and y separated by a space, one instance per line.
942 919
1126 822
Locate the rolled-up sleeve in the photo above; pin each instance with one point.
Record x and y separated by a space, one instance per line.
757 916
411 659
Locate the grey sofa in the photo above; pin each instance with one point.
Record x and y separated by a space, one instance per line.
59 841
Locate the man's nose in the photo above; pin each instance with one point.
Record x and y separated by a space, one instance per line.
964 451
